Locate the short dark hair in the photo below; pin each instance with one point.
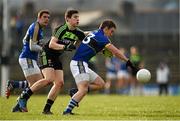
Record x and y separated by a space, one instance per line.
70 12
107 23
41 12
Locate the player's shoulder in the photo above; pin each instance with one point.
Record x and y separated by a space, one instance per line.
80 33
61 28
95 31
100 34
34 25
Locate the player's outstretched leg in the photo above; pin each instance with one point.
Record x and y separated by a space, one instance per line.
12 84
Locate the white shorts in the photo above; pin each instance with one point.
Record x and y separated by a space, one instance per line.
122 74
29 66
81 71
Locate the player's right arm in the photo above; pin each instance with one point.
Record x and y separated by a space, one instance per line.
61 45
57 44
54 45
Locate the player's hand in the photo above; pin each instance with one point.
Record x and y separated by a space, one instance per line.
133 68
69 47
64 42
42 42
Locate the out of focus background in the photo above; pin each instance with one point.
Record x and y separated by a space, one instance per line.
151 26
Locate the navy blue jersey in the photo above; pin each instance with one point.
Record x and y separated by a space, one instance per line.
34 32
91 45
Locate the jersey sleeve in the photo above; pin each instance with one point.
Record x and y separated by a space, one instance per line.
107 42
34 38
59 31
33 32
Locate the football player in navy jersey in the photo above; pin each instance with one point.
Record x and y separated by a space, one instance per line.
29 55
85 78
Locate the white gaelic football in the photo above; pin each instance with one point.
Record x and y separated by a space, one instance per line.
143 75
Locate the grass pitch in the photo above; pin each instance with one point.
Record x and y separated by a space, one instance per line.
98 107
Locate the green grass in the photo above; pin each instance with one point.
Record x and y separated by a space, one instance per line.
98 107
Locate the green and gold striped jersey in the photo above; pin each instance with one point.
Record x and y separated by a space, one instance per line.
63 33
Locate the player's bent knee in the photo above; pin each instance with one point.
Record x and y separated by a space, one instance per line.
48 81
59 84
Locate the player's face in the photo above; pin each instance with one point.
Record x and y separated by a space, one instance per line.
109 32
44 19
133 50
74 20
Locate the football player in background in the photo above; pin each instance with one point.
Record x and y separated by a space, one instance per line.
32 45
137 60
111 72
